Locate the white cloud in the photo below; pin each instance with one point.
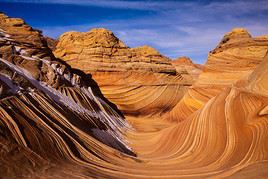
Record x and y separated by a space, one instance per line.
243 5
122 4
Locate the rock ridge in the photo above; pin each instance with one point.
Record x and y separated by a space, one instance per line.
100 50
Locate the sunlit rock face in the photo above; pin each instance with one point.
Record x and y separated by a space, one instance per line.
185 66
100 50
55 123
140 81
236 56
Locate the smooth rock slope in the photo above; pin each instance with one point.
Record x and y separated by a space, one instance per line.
185 66
236 56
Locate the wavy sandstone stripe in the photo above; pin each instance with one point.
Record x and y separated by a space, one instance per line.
226 135
100 50
141 93
140 81
236 56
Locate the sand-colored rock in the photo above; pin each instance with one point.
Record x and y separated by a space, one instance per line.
236 56
140 81
184 65
51 43
25 46
233 58
142 93
100 50
45 104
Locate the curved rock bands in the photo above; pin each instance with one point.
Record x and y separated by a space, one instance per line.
235 58
141 94
226 133
225 136
30 67
58 122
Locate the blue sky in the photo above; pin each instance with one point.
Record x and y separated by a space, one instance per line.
175 28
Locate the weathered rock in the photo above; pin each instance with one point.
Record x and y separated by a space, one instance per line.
233 58
48 108
185 66
125 75
236 56
26 48
101 50
51 43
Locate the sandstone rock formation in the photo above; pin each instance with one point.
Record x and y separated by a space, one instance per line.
100 50
140 81
236 56
51 43
45 106
54 124
184 65
220 139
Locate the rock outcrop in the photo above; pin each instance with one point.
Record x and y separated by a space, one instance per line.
220 139
236 56
45 106
184 65
100 50
51 43
140 81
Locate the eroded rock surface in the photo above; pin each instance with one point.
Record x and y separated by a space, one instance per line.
185 66
100 50
236 56
48 111
140 81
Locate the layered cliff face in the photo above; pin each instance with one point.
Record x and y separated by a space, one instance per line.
236 56
100 50
219 119
140 81
55 124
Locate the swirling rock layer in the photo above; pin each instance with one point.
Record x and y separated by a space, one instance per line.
236 56
142 93
54 123
140 81
48 110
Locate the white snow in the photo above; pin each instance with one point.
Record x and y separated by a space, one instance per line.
8 81
56 95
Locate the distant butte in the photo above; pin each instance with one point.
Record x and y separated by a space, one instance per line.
100 50
234 58
186 65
